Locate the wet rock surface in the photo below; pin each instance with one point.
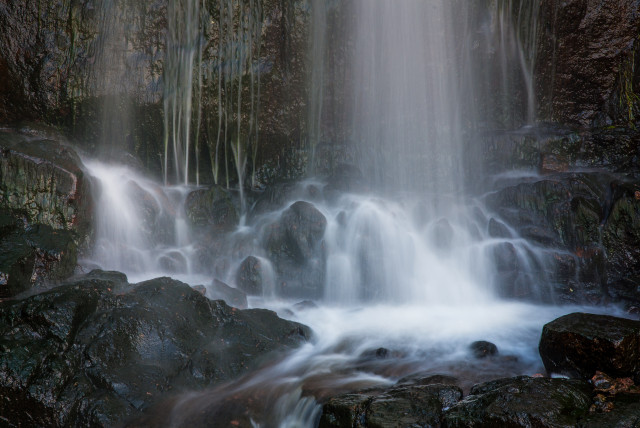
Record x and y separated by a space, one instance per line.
585 61
579 344
45 180
522 402
408 405
97 350
212 208
294 245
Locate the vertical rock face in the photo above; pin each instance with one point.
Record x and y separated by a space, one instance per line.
587 62
44 179
98 70
45 211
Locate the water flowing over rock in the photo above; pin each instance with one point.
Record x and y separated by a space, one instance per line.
579 344
97 350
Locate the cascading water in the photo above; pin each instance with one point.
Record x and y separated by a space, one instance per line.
409 267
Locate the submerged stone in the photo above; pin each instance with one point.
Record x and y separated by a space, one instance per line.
483 349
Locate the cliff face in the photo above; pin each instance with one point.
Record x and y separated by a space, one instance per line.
588 70
98 70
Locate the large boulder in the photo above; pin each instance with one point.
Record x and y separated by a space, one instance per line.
97 350
579 344
522 402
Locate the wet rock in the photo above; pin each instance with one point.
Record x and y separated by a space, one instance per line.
31 256
585 64
232 296
579 344
429 379
522 402
298 232
295 246
250 276
46 181
410 405
212 208
624 412
483 349
621 234
97 350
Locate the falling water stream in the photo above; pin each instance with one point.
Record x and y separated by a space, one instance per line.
409 265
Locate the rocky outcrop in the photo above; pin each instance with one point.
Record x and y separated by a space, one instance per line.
97 350
586 64
579 344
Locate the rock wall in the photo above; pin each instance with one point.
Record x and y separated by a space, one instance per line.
587 70
96 70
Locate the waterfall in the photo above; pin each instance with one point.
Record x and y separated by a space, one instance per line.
407 262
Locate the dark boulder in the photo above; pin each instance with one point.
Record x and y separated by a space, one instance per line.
297 234
483 349
405 405
250 276
579 344
522 402
294 244
97 350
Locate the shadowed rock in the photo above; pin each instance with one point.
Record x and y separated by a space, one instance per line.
579 344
